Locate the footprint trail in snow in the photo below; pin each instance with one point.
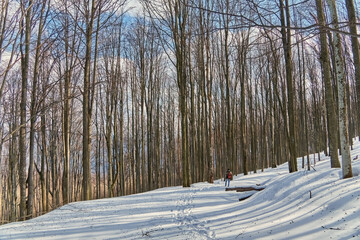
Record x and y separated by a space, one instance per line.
188 224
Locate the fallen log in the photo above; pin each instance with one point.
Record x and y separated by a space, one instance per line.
246 197
244 189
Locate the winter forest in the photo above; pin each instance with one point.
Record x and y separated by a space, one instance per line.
104 98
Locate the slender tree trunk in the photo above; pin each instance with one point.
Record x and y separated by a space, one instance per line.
66 118
208 116
207 92
179 25
108 136
242 53
142 123
150 144
121 143
286 39
329 98
43 173
86 158
356 52
226 69
343 121
25 55
33 114
13 165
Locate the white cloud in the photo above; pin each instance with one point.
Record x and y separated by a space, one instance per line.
134 6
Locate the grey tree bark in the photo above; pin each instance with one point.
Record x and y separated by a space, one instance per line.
286 39
356 52
329 98
25 56
341 80
86 157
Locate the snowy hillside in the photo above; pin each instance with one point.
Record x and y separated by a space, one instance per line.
284 210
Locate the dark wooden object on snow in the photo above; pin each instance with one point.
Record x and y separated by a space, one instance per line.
244 189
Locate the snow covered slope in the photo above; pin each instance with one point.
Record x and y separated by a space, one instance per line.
284 210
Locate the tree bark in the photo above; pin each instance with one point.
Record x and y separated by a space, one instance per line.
25 55
343 121
356 53
329 98
86 157
286 39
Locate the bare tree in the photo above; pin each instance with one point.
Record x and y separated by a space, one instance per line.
44 10
174 15
356 52
343 117
329 98
93 11
286 39
10 31
26 7
71 44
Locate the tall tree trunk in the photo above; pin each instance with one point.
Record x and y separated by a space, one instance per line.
150 141
13 164
208 101
121 143
179 28
44 197
226 69
241 58
66 116
286 39
54 159
108 136
343 121
329 98
86 158
356 53
33 113
25 55
208 118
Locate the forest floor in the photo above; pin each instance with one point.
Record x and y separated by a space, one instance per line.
315 204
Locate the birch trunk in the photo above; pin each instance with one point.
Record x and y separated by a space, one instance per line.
341 80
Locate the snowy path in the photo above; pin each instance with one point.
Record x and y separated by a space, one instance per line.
189 225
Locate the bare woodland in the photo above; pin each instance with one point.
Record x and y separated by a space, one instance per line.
99 101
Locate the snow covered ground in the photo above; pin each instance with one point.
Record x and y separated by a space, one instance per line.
284 210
